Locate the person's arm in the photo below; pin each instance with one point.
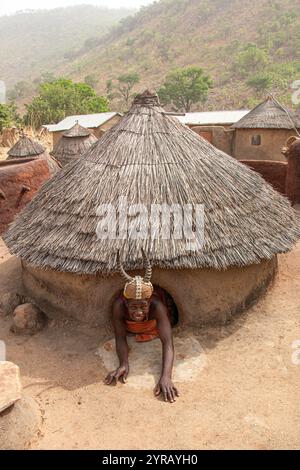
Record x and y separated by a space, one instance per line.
165 384
121 345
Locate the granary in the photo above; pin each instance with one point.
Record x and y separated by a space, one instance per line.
261 134
73 143
97 123
26 168
212 267
28 148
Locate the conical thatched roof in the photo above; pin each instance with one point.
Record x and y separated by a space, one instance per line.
73 143
25 147
77 131
267 115
150 157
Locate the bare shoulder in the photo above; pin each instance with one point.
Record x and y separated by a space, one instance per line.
118 309
158 309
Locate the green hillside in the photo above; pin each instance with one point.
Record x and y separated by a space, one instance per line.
247 47
214 34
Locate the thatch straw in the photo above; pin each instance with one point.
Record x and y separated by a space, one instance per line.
267 115
73 143
25 147
150 157
29 148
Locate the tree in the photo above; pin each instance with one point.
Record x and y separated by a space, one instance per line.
260 82
126 83
184 87
250 59
60 98
8 116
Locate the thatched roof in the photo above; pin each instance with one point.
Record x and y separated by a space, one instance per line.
73 143
77 131
150 157
267 115
25 147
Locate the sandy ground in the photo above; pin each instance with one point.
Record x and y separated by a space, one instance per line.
243 394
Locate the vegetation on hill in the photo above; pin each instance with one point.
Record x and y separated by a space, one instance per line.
247 48
234 42
8 116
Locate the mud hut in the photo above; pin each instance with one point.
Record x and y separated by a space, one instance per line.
28 148
261 134
291 151
26 168
151 160
73 143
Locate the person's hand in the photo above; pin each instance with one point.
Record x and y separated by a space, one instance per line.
119 374
166 387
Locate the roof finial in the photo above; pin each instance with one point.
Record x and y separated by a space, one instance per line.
147 98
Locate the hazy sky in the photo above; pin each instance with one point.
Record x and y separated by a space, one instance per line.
10 6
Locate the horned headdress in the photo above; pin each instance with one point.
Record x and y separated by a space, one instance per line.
138 288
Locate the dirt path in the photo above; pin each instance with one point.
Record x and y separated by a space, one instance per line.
246 396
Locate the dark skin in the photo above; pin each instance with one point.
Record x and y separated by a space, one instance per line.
138 311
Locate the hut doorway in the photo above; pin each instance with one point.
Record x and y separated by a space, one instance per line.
169 302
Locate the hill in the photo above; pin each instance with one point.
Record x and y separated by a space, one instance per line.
233 41
247 47
34 43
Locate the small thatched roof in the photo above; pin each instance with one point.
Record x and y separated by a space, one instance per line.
25 147
73 143
77 131
267 115
150 158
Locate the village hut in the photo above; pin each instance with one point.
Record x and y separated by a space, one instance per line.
97 123
261 134
26 168
291 152
69 248
28 148
73 143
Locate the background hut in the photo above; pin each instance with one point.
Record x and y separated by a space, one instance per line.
73 143
150 158
97 123
28 148
291 151
261 134
26 168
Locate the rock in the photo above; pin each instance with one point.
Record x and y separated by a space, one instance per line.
8 302
19 425
10 385
28 319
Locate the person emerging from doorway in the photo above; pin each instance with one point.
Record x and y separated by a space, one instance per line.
142 311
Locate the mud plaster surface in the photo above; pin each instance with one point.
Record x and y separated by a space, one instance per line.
145 360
